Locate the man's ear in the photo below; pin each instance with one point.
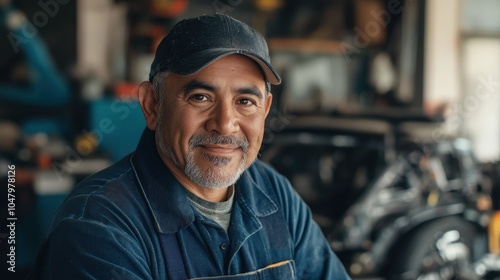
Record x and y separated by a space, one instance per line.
149 100
269 101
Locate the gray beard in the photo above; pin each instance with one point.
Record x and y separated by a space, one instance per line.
213 178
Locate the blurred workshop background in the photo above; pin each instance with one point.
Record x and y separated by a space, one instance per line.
387 121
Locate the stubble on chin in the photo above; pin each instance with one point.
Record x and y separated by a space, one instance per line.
215 177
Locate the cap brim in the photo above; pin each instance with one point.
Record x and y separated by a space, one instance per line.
200 60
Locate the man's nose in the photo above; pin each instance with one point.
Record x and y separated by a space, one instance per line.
223 119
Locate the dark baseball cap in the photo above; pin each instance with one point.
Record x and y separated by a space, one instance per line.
194 43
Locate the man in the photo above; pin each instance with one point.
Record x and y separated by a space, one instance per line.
193 201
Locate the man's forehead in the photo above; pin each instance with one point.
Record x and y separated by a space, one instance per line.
207 84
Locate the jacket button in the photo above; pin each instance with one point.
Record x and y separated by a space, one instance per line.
223 246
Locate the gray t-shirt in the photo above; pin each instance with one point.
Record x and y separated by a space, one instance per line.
220 212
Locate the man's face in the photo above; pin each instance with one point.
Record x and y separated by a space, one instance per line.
210 124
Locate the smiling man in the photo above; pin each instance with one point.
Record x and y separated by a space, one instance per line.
215 122
193 201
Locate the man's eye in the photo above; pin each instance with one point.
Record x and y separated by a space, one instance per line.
246 102
199 97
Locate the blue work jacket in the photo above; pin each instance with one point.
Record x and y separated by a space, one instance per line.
112 223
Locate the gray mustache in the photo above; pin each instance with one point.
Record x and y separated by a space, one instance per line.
197 140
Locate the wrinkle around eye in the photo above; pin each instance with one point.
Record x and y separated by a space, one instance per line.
247 102
199 97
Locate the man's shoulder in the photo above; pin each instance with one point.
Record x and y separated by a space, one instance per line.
261 170
270 181
114 177
113 189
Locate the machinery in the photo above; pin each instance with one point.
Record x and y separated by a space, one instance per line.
394 200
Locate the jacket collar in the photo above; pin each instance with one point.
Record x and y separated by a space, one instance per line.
166 198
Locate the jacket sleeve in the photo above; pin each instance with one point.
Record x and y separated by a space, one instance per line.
83 249
313 256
